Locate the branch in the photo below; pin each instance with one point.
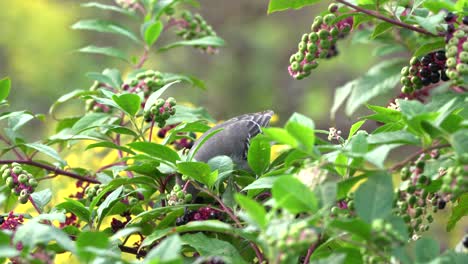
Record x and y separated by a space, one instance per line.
311 250
143 58
415 156
386 19
52 169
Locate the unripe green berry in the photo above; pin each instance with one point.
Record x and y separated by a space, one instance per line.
33 183
323 34
451 52
412 200
312 48
465 46
418 212
323 54
329 19
180 194
413 70
422 179
453 41
171 101
133 201
17 170
335 210
307 67
6 174
325 44
335 32
305 38
188 197
346 29
416 80
405 80
22 178
414 61
315 26
309 57
3 168
24 193
332 8
318 19
407 89
299 56
464 56
453 75
405 71
292 58
10 182
462 68
23 199
459 34
295 66
185 177
302 46
313 37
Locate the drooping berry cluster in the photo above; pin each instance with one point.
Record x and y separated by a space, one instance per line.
145 83
194 26
161 111
423 71
21 182
11 223
413 197
185 142
454 182
93 191
320 43
202 214
177 196
457 55
344 208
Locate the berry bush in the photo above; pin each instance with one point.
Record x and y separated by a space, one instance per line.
324 198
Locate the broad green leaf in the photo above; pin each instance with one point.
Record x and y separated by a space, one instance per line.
355 127
104 26
110 199
262 183
42 198
17 119
378 155
155 96
430 46
280 5
100 78
87 243
168 251
107 51
458 211
254 210
341 94
32 233
341 163
291 194
384 114
130 103
89 120
459 142
381 28
359 143
426 250
209 41
44 149
393 137
302 129
108 8
411 108
258 155
76 208
156 151
208 246
354 226
281 136
152 32
198 171
67 97
170 77
430 22
5 86
374 198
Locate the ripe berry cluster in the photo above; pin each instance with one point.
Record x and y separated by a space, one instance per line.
161 111
423 71
21 182
202 214
319 44
413 197
11 223
181 143
177 196
194 26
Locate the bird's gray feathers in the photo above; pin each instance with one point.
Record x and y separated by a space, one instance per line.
234 138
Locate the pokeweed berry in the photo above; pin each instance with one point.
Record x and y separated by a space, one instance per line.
424 71
19 180
457 55
318 44
177 196
160 111
193 26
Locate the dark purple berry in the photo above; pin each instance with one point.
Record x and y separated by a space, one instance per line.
450 28
441 204
465 241
435 77
444 76
2 219
434 67
465 21
424 72
449 17
440 55
425 81
426 60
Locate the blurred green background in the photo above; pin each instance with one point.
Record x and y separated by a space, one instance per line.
38 52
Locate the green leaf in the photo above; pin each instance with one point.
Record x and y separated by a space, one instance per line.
156 151
108 7
374 198
209 41
378 155
280 5
380 29
291 194
42 198
262 183
108 202
5 86
254 210
130 103
459 142
355 127
107 51
109 145
67 97
199 171
32 233
430 22
430 46
155 96
341 94
104 26
44 149
302 129
393 137
168 251
379 79
76 208
281 136
87 243
152 32
458 211
354 226
208 246
426 250
258 155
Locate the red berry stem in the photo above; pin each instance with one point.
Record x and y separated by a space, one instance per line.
387 19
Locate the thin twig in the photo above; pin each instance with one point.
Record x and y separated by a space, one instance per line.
52 169
386 19
311 250
143 58
413 157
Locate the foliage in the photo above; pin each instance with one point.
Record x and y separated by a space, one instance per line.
318 200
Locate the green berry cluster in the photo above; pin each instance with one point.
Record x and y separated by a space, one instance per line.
161 111
92 105
454 182
145 83
344 208
457 55
177 196
93 191
320 43
21 182
194 26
